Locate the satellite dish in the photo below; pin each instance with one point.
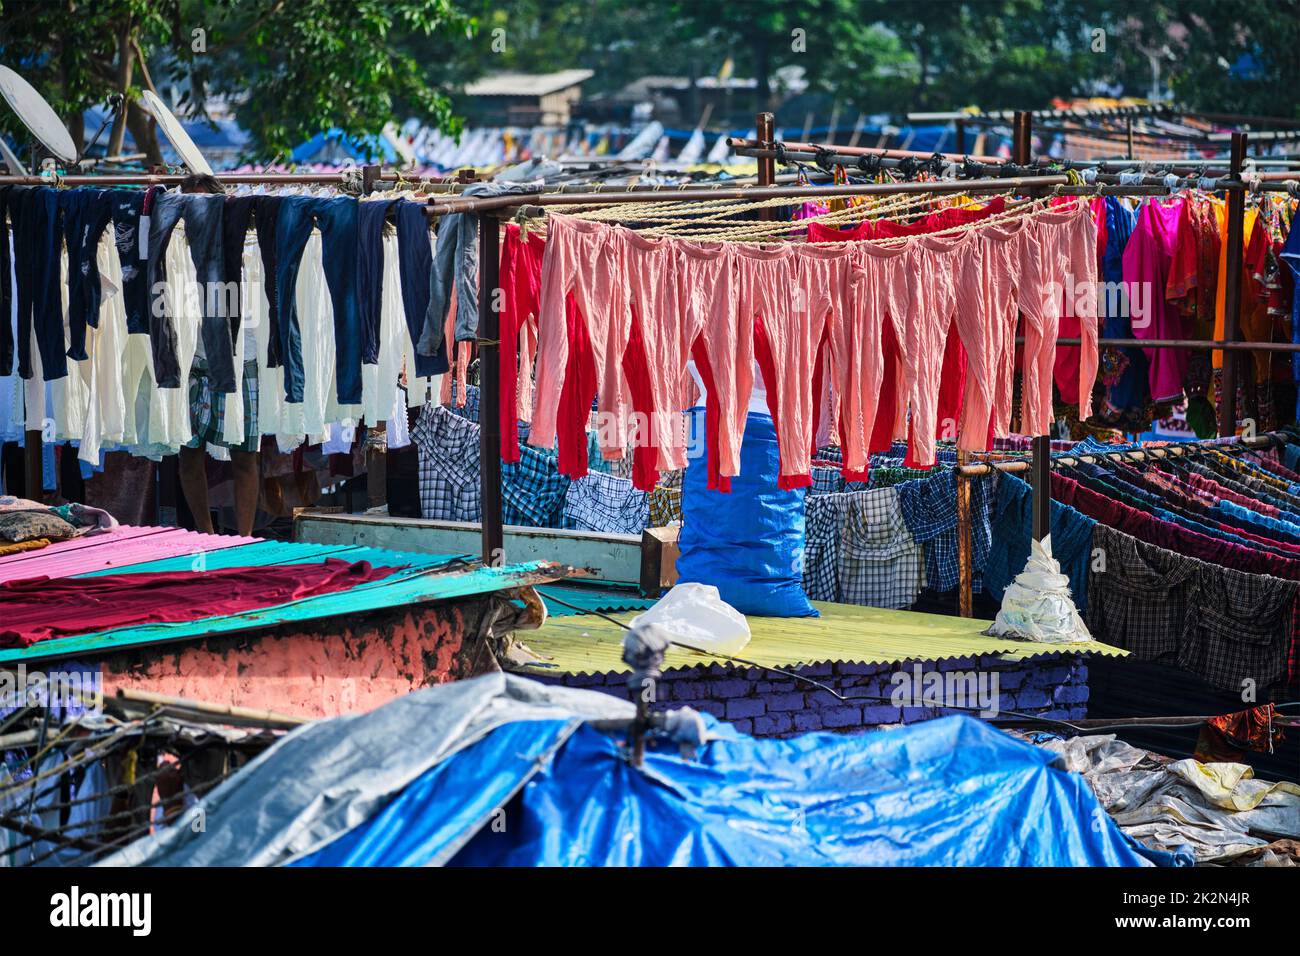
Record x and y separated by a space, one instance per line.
15 164
36 115
175 133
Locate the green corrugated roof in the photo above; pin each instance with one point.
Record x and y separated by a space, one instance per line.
844 633
591 598
267 553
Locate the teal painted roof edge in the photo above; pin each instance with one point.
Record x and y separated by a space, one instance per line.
269 553
404 587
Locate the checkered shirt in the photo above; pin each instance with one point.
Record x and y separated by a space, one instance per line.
533 490
600 502
880 563
449 465
1241 626
666 500
821 552
1139 596
470 410
826 481
929 508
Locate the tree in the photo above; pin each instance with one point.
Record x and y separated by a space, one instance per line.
291 68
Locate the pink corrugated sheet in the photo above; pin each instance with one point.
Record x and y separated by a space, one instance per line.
123 546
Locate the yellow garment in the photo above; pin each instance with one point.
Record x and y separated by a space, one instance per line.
1232 786
19 546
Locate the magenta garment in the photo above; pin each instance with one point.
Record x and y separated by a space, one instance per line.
1147 259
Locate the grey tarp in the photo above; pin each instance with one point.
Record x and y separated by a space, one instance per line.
327 777
1217 810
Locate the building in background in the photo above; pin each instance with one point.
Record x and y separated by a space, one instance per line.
524 99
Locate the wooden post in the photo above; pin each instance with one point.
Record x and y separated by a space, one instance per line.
965 558
370 174
489 352
1232 290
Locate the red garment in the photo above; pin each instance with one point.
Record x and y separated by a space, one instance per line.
1170 536
576 394
1229 737
41 608
521 283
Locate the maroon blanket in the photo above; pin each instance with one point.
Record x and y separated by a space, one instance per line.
37 609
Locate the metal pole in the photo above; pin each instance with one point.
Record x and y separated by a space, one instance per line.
1040 469
765 127
489 351
1232 290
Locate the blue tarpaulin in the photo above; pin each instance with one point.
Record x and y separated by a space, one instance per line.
949 792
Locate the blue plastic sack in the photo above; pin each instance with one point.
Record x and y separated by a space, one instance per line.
748 543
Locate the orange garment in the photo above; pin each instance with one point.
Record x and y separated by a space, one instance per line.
1253 325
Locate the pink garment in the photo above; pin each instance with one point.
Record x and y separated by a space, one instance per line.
791 292
1147 261
583 259
1064 241
879 293
818 320
654 297
722 348
936 265
1067 373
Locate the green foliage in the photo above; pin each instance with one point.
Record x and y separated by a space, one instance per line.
290 67
294 67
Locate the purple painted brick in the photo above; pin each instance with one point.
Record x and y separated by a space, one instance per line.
711 707
744 726
729 688
880 715
1010 679
819 699
779 702
842 717
854 669
687 690
1070 694
584 680
773 724
1031 697
1056 675
805 721
775 686
959 664
914 715
817 670
744 707
1059 713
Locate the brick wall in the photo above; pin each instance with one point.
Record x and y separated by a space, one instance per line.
767 704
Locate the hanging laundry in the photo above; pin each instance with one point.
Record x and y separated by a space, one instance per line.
38 609
605 503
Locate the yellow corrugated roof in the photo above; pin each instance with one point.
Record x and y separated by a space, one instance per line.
586 644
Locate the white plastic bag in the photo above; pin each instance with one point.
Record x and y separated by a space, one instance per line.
1037 605
694 615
